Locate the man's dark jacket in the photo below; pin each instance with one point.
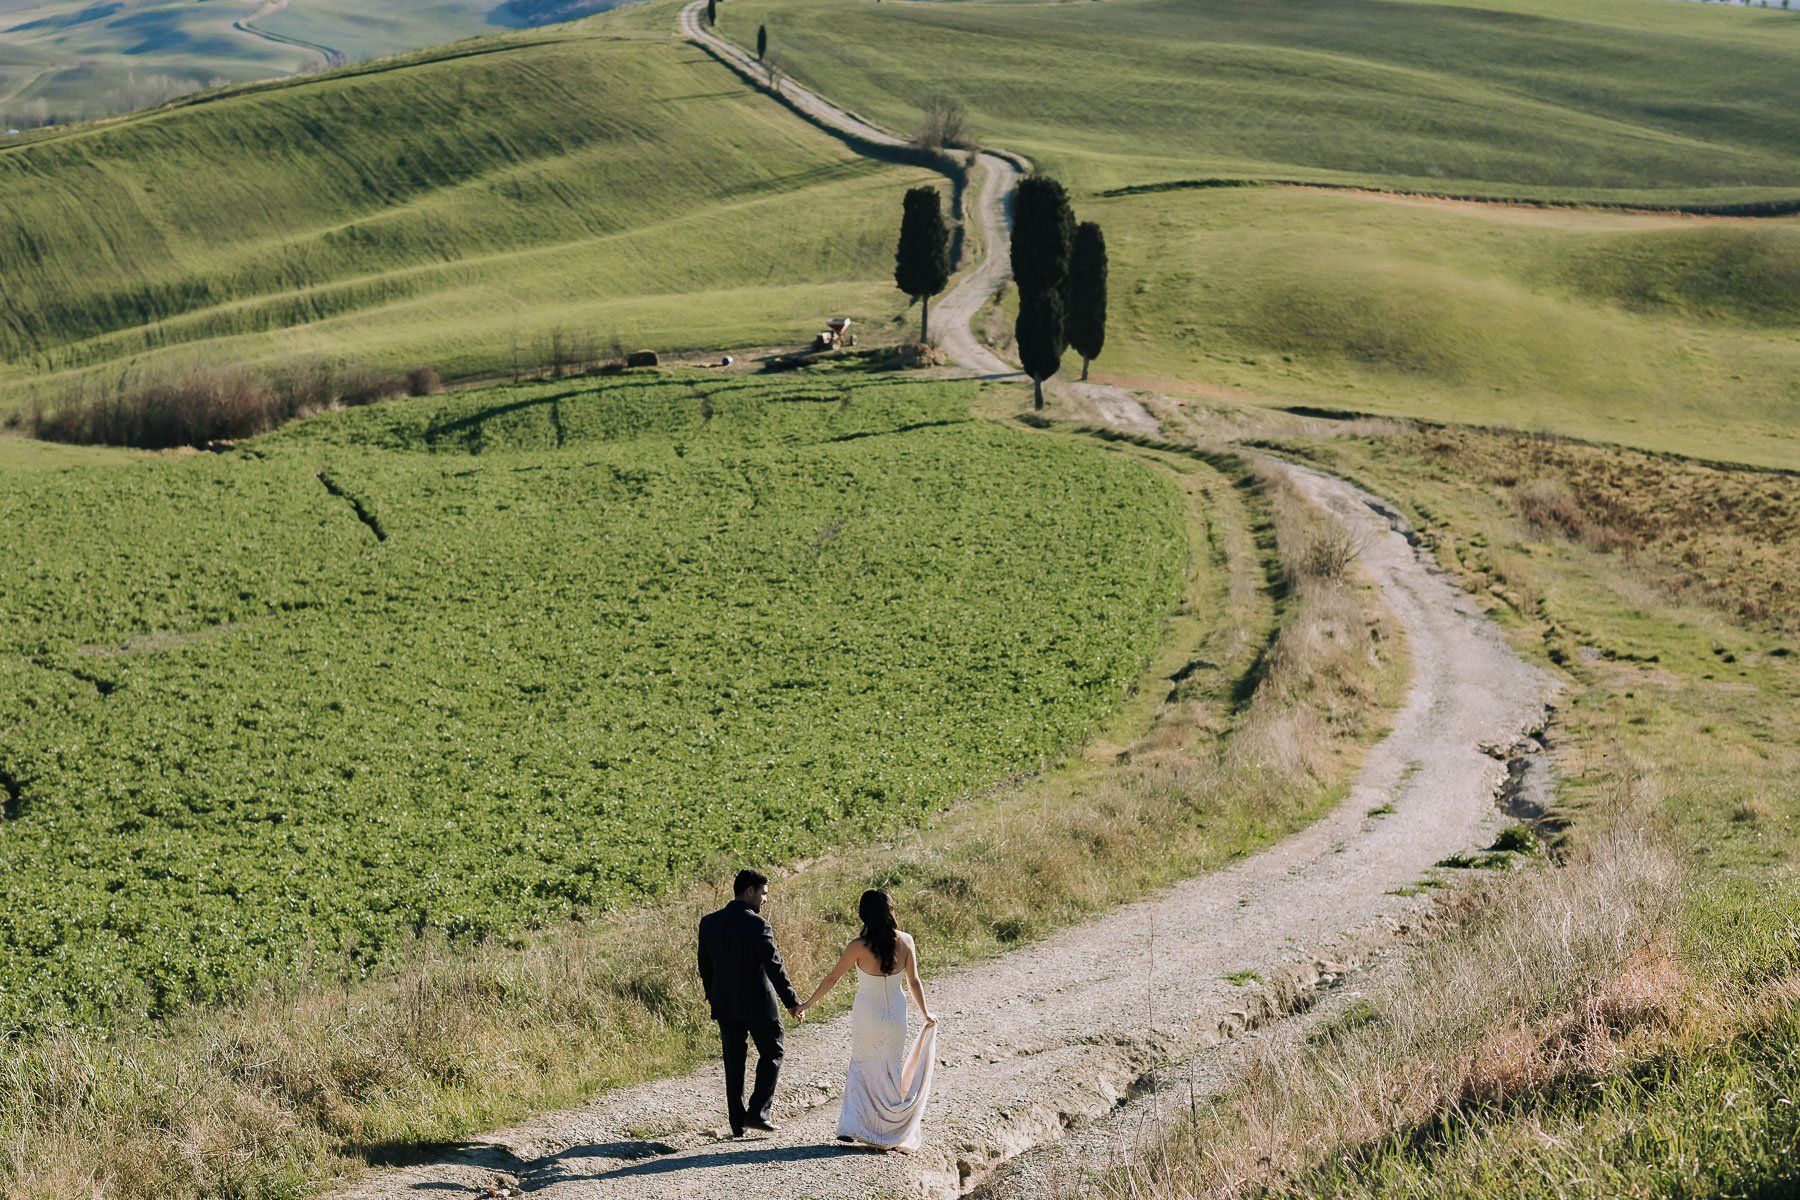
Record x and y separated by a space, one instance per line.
740 967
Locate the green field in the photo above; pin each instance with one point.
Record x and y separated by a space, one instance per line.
442 210
83 59
1601 98
467 665
1665 332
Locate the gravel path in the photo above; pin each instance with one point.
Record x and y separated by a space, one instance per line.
1059 1034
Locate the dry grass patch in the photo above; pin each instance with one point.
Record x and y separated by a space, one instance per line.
1722 535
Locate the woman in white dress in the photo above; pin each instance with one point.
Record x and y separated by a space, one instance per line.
888 1084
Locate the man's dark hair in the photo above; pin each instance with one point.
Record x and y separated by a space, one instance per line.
747 879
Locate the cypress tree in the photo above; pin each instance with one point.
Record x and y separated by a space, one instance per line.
1087 293
762 41
1039 332
1043 234
1042 239
922 262
712 13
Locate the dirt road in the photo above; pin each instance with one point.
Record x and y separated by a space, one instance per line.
1056 1034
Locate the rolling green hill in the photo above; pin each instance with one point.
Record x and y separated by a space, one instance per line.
1612 99
1659 332
472 663
95 58
438 208
1665 332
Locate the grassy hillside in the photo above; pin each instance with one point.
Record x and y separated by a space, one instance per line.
82 58
438 208
468 664
1664 332
1600 98
1659 333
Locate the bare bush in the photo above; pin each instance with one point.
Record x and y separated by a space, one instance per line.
1326 555
162 407
158 410
369 385
943 123
423 381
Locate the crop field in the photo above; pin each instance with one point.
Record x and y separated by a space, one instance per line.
465 665
444 209
80 59
1665 332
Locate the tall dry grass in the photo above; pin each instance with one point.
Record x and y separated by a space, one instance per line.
307 1081
1550 975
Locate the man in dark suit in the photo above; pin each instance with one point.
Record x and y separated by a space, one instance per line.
744 978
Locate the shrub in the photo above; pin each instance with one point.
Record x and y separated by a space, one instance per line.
367 385
160 408
423 381
1326 555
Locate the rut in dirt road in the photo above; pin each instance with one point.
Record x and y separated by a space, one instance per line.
1057 1033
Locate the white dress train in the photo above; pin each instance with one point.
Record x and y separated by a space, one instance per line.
888 1085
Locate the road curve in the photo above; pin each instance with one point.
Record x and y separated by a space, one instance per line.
1055 1034
992 206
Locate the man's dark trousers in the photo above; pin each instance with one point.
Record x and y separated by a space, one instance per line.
733 1037
746 987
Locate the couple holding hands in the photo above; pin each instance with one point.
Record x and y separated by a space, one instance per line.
888 1082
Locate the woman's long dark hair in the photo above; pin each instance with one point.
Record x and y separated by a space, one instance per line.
879 929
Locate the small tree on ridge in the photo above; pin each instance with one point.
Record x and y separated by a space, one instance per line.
762 41
922 262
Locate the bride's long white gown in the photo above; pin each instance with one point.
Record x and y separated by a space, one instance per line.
885 1094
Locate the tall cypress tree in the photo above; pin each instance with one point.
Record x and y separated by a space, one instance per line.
1043 234
922 262
1042 240
1087 293
712 13
1039 333
762 41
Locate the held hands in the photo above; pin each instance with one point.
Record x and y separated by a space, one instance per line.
797 1011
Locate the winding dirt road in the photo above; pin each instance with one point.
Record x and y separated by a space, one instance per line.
1056 1035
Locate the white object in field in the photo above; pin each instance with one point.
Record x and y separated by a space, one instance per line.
726 361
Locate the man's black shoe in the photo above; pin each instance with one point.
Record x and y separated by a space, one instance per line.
765 1126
